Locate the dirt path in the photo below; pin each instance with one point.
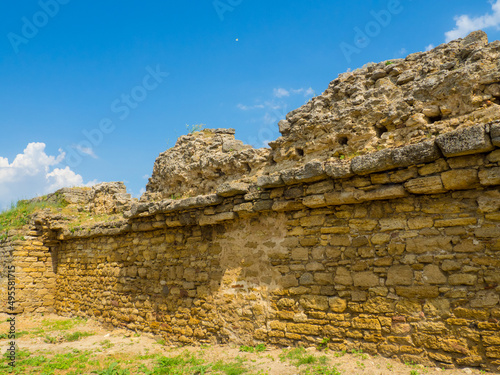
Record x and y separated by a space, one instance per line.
58 345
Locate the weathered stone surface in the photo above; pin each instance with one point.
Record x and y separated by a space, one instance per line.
312 171
465 141
460 179
217 218
360 196
365 279
425 185
273 180
343 276
229 189
375 162
417 291
399 275
423 152
433 275
338 169
188 169
490 176
495 134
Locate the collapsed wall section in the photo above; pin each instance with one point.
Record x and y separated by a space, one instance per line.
394 252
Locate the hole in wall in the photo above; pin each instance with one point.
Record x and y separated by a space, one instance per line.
435 119
342 140
380 130
299 151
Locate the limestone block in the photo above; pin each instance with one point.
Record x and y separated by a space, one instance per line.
229 189
337 304
399 275
338 169
469 246
439 165
374 162
310 172
425 185
419 153
465 141
495 134
343 276
217 218
314 302
422 245
433 275
486 299
419 291
392 223
490 176
459 179
365 279
289 281
270 181
314 201
420 222
462 279
366 323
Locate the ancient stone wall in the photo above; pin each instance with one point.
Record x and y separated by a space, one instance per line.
394 252
373 223
35 286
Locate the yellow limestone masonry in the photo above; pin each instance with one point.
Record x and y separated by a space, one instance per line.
403 261
395 252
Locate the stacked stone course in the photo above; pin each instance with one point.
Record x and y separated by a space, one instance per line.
397 255
395 251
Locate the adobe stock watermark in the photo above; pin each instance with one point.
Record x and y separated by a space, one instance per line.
372 29
224 6
121 107
32 25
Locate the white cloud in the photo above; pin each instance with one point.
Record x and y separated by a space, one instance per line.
280 92
465 24
402 52
244 107
86 150
33 173
309 92
429 47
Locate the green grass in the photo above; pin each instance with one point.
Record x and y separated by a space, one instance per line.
19 214
298 356
253 349
68 337
28 363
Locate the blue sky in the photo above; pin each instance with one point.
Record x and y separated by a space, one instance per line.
94 91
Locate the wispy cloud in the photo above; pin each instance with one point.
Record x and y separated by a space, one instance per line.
465 24
244 107
429 47
86 151
34 173
280 92
402 52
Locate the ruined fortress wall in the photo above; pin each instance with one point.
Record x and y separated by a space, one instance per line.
33 273
394 252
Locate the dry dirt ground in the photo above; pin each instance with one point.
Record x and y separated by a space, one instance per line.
57 345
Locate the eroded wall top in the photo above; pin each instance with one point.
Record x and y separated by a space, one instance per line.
385 105
396 102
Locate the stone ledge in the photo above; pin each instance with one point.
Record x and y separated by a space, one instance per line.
466 141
